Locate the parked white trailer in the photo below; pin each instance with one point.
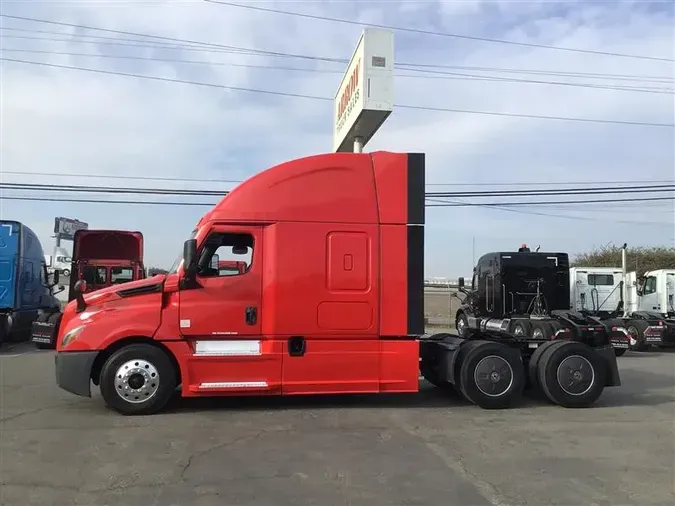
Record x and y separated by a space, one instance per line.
654 291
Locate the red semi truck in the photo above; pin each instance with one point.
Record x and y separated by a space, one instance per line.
106 257
330 302
101 258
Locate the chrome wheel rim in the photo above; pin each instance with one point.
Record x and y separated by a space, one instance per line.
137 381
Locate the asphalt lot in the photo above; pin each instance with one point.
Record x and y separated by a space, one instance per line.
423 449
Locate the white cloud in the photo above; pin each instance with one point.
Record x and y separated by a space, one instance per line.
63 121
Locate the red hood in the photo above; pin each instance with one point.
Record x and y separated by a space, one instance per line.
108 244
103 294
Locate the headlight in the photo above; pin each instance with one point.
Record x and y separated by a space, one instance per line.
71 335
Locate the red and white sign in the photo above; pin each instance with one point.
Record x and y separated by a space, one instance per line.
365 96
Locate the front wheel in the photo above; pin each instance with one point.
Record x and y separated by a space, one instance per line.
462 325
66 272
138 379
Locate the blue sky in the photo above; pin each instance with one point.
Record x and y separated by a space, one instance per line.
62 121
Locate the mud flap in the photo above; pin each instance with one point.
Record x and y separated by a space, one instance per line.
609 356
45 330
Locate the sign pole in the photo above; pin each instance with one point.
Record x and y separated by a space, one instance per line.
358 144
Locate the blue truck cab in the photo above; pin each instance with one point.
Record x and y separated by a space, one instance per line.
25 288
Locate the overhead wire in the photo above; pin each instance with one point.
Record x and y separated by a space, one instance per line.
188 44
429 195
328 99
573 217
443 76
476 194
436 33
208 180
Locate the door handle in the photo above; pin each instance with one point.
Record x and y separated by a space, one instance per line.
251 315
296 346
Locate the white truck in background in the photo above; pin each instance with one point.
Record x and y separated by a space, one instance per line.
615 298
595 289
59 261
654 291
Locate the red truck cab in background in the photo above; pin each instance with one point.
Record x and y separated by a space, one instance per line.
328 298
103 258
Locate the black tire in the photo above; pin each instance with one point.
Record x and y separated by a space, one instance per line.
620 351
432 377
589 372
462 322
158 389
66 272
504 371
535 359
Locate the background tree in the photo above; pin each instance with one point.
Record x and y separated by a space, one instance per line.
153 271
639 259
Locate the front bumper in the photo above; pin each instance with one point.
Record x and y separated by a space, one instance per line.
73 371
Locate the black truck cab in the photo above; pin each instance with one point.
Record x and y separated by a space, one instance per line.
507 284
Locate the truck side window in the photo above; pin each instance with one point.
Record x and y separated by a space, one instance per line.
226 255
95 275
650 285
120 275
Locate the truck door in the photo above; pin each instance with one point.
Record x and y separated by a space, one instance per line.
9 258
224 306
650 296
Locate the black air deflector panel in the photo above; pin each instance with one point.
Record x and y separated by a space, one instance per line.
415 243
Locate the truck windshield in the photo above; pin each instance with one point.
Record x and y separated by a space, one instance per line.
176 263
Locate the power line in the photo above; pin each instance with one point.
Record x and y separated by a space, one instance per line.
549 202
328 99
99 189
558 191
115 176
97 201
217 193
444 76
211 204
199 180
168 79
159 37
440 34
567 216
211 47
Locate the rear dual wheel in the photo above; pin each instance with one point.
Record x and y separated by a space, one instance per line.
571 374
491 375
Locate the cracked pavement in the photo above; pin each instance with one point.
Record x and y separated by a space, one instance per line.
426 449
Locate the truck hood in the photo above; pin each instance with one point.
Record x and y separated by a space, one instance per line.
108 244
125 290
